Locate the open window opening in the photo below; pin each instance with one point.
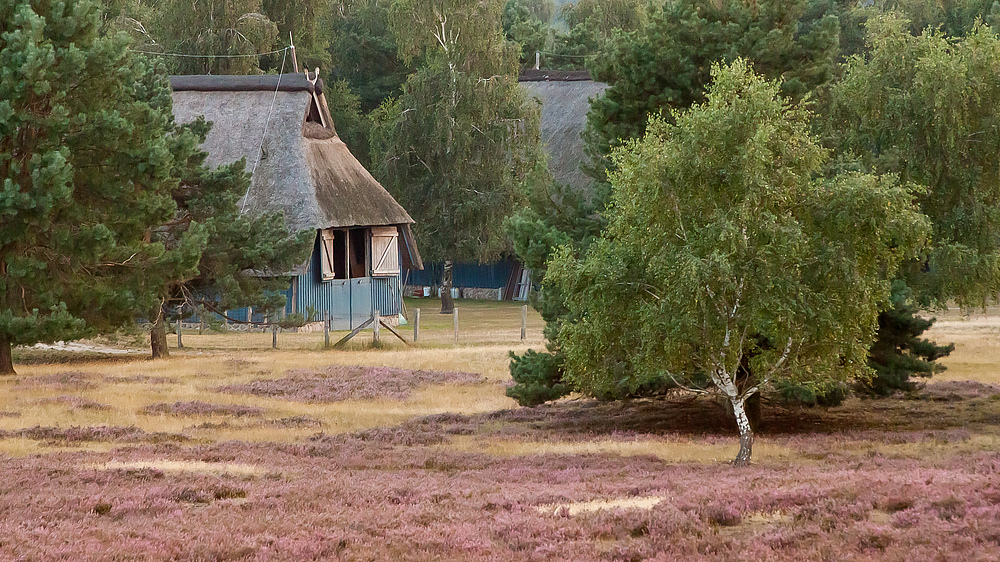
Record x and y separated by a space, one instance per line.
358 258
314 115
344 253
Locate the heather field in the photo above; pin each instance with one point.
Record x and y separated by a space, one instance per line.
231 451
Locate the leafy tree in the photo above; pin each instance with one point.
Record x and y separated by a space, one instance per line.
308 24
457 144
85 169
925 107
608 15
232 252
527 23
726 265
364 52
665 65
205 27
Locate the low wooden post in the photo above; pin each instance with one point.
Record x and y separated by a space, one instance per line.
416 325
180 344
524 322
274 336
376 323
326 329
454 314
249 319
225 321
201 324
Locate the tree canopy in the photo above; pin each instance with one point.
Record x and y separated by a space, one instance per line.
86 170
456 145
665 65
925 107
725 264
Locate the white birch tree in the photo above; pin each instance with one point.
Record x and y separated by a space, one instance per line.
728 265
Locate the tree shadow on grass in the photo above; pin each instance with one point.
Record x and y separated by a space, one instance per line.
928 412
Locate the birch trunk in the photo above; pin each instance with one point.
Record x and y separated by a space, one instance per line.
6 356
447 303
746 431
158 336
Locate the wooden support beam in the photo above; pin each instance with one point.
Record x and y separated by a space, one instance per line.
353 333
394 332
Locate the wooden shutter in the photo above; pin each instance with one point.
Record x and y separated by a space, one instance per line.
326 253
385 251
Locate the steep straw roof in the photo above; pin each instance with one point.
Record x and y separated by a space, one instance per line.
304 168
565 98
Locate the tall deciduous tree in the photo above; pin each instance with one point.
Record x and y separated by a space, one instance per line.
364 52
925 107
459 141
86 170
726 265
234 30
308 24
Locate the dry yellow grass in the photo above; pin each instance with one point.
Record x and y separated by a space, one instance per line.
195 376
185 466
977 346
223 359
576 508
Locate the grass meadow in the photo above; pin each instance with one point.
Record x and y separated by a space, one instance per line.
230 450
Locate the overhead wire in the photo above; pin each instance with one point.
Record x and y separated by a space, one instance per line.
260 148
186 55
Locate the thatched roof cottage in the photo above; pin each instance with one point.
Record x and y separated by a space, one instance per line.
282 126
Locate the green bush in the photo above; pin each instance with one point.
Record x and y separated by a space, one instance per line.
538 378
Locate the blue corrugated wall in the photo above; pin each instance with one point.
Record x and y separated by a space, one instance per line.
484 276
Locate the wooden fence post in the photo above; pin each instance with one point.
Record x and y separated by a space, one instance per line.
326 329
524 322
454 314
416 325
274 336
377 320
180 308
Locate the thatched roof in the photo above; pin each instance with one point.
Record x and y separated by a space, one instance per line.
565 98
304 168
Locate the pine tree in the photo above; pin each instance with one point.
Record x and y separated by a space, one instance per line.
899 352
666 64
237 259
86 170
